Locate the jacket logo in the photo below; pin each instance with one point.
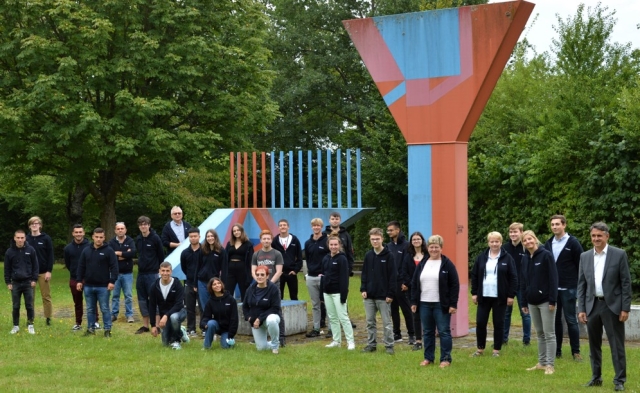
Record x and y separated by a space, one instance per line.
148 245
40 243
504 264
568 249
536 264
334 263
101 253
383 260
320 247
27 253
266 299
227 304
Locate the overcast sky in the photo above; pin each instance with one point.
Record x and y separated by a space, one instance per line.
541 33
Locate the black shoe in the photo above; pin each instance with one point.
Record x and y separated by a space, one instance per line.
114 318
416 347
618 387
369 348
329 334
48 321
558 355
142 329
313 333
412 340
90 332
397 338
526 344
282 342
593 382
353 325
107 333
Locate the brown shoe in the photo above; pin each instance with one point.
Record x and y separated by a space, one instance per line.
537 367
577 357
445 364
549 370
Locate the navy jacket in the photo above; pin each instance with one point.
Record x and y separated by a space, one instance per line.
150 253
44 249
223 310
335 275
398 250
449 284
314 253
72 256
248 255
263 307
171 305
169 236
409 267
516 252
568 262
189 261
212 265
128 249
292 257
507 276
97 267
379 275
539 281
20 264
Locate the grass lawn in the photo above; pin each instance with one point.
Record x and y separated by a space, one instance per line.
57 359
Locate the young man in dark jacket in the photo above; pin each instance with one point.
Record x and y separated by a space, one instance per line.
335 219
125 249
398 247
97 273
515 248
21 275
189 260
291 249
167 297
150 255
315 250
378 289
566 250
72 254
43 245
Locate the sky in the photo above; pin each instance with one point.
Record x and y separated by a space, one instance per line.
541 32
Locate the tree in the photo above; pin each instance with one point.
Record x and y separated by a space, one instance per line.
93 93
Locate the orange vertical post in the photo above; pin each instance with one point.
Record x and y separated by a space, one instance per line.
246 180
254 183
232 188
264 180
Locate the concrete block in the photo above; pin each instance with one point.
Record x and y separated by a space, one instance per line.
295 318
632 326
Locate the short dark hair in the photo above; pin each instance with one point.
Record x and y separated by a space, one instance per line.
393 223
194 230
283 220
19 231
144 220
560 217
166 264
601 226
98 230
76 226
335 214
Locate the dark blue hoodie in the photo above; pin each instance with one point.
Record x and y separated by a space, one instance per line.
150 253
20 264
72 256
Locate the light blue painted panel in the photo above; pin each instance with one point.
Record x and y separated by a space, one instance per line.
339 177
395 94
420 190
349 178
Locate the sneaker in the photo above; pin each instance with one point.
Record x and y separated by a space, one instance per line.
204 333
538 366
130 320
329 334
193 333
274 351
15 330
76 328
390 350
185 335
397 338
313 333
107 333
48 321
143 329
577 357
412 340
176 346
351 346
31 330
90 332
369 348
96 325
114 318
549 370
334 344
416 347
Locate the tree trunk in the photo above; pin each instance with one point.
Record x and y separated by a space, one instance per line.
75 207
108 215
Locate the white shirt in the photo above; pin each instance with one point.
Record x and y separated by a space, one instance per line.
166 288
598 269
178 229
558 245
490 282
429 281
285 241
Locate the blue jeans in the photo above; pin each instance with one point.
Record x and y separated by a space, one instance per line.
432 315
213 327
567 303
144 283
124 283
526 322
203 295
172 332
100 295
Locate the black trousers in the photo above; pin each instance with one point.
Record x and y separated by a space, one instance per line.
239 276
602 316
482 318
190 297
292 281
401 302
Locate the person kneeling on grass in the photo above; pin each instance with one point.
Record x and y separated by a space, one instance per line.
261 308
220 315
167 298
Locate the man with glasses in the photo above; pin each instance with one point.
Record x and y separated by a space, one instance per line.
125 249
175 231
150 255
44 250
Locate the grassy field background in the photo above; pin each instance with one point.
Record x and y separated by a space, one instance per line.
57 359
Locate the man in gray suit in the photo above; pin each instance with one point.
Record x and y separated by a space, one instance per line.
604 299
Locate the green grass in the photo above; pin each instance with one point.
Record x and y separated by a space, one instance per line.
57 359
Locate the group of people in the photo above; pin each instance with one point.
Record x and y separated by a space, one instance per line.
547 280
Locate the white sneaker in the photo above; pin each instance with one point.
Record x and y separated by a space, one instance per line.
15 329
96 325
76 327
176 345
334 344
185 335
31 330
351 346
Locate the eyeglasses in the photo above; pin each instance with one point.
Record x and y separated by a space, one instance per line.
260 275
177 213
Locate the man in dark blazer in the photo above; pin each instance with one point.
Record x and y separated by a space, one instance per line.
604 299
